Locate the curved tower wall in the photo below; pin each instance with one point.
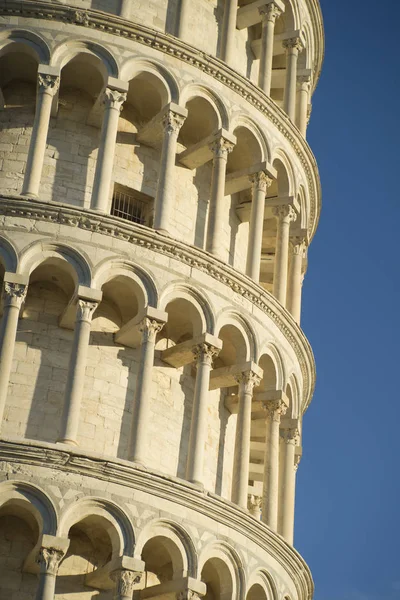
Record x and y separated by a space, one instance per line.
158 198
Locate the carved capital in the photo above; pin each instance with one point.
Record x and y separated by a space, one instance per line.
113 99
309 111
221 148
249 380
304 82
293 43
254 503
172 122
275 409
50 559
48 84
285 212
149 329
261 181
125 581
269 12
14 294
85 310
205 353
187 595
298 245
290 435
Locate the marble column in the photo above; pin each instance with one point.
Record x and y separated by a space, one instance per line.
112 101
254 505
304 82
47 87
289 436
184 19
125 9
293 46
285 214
13 297
203 355
274 409
293 302
228 31
76 372
216 217
138 441
260 184
241 459
125 583
49 560
269 13
164 201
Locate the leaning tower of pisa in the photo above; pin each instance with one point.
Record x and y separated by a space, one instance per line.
157 201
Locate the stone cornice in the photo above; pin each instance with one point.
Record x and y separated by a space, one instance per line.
194 257
115 25
315 12
121 472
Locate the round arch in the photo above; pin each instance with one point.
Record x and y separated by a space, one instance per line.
263 580
31 42
235 320
293 393
178 542
168 85
109 269
202 318
8 255
285 174
114 520
224 556
273 366
34 501
66 51
240 120
76 264
192 91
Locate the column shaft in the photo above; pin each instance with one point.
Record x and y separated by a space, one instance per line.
288 483
261 182
293 46
229 29
293 303
142 401
47 88
76 373
203 354
304 96
269 13
125 10
113 101
271 463
241 460
13 297
284 214
184 18
221 149
50 559
166 185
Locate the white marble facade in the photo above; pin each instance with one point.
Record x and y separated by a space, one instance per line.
157 201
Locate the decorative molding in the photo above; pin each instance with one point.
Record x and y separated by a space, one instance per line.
120 472
115 25
196 258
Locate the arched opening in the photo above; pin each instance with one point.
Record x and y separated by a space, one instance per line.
89 551
256 592
18 76
42 353
218 579
137 153
163 560
74 132
245 159
21 527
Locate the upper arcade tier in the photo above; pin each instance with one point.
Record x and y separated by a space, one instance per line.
136 127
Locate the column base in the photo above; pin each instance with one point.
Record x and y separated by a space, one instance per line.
68 442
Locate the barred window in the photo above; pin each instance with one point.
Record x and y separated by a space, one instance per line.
131 205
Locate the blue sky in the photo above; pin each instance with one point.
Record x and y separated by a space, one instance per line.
348 492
